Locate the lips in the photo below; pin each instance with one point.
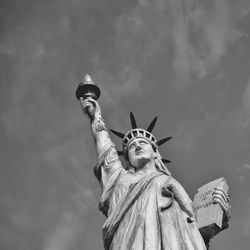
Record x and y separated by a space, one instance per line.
139 152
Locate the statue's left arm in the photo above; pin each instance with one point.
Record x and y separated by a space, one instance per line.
221 198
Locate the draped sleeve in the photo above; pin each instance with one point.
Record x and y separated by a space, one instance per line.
108 171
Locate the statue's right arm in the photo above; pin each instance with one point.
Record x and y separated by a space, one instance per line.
98 127
109 168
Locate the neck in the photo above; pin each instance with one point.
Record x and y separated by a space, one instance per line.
146 168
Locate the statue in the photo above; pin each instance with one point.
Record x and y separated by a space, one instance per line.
146 208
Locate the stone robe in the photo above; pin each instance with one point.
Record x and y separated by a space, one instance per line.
144 212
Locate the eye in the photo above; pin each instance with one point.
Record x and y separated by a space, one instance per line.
131 146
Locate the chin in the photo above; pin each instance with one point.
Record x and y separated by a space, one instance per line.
142 161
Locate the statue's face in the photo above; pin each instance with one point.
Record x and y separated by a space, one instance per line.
140 151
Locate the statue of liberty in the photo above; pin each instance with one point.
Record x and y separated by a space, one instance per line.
146 208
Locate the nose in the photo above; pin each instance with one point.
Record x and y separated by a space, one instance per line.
138 146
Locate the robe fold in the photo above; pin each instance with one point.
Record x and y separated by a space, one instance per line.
144 212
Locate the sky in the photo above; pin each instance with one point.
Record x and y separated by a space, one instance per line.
187 61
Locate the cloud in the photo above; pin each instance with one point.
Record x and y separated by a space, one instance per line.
242 172
246 230
22 218
48 46
192 36
138 38
141 33
246 225
67 230
70 225
246 101
189 133
246 166
202 33
239 118
44 50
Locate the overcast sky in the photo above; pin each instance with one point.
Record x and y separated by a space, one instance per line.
186 61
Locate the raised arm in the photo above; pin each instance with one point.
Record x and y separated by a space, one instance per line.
98 127
109 168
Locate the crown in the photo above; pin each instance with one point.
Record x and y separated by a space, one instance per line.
136 132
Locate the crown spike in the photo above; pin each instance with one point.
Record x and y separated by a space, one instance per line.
152 125
121 135
162 141
133 121
165 161
119 152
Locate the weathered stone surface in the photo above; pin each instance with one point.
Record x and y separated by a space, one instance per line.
146 208
209 216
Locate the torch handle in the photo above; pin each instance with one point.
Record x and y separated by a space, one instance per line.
89 110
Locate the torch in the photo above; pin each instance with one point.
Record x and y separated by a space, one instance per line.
87 89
